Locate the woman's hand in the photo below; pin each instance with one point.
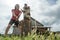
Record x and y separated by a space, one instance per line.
16 18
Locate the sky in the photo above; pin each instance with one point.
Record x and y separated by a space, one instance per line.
46 12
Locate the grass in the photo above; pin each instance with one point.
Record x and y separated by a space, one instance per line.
33 36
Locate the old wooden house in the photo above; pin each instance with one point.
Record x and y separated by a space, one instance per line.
34 24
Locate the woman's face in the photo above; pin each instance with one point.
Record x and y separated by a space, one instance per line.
17 6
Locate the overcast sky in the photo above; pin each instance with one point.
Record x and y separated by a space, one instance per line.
45 11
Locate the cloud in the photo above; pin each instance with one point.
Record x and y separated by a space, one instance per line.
45 11
49 14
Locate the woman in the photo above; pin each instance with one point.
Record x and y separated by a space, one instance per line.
15 16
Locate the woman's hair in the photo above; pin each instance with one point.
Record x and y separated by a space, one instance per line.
17 6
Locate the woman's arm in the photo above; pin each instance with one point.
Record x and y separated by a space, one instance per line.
13 14
20 13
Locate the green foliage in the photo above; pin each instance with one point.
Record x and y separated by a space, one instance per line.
32 36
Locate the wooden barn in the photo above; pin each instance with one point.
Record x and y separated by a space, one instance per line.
34 24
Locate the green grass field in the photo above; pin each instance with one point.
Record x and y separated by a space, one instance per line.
32 37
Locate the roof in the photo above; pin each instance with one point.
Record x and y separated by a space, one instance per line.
34 22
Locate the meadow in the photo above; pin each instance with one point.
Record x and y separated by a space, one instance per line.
32 36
